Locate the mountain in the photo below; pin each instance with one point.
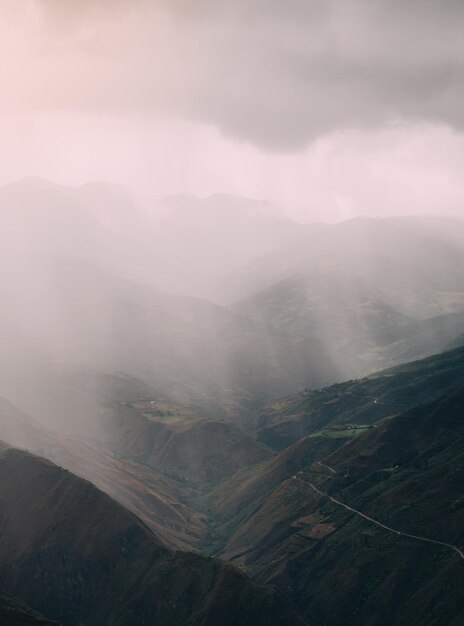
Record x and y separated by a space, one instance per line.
80 271
195 450
406 474
359 403
161 458
96 223
73 553
157 500
370 533
185 250
365 254
59 319
231 504
360 289
158 461
425 337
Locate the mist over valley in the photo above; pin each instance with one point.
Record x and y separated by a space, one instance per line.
231 313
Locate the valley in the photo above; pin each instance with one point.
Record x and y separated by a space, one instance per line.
231 313
287 451
279 515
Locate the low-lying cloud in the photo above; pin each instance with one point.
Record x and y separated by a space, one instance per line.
274 74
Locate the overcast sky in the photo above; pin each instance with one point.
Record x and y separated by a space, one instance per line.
327 108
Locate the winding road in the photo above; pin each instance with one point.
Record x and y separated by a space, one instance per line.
458 551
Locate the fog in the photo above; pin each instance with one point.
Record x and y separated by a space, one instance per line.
214 206
326 110
219 304
232 299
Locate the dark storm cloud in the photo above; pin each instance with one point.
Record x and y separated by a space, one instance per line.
275 73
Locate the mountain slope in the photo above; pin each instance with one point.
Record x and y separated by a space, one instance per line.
191 448
305 532
154 498
407 473
359 287
360 402
80 275
61 317
70 551
414 270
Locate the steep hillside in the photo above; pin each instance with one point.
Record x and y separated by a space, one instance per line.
360 402
235 500
373 533
325 419
154 498
161 456
191 448
73 553
407 474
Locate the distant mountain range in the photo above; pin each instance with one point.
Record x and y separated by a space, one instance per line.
360 287
79 275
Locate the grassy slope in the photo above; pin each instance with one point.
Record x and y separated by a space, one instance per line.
408 473
154 498
185 446
73 553
363 401
232 503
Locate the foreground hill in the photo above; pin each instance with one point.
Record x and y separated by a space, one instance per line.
407 474
153 497
157 455
371 533
72 553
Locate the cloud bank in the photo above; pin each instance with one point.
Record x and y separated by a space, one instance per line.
275 74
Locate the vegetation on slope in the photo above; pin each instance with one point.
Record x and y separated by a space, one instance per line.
360 402
72 553
338 567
